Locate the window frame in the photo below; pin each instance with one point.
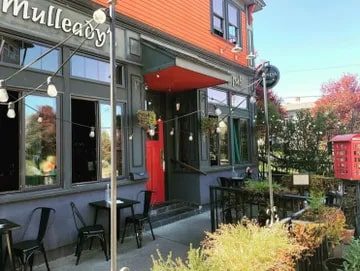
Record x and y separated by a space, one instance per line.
98 102
247 120
20 118
226 22
40 43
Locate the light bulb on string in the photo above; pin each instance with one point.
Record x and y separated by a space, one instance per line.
218 111
11 111
131 137
40 119
252 100
172 131
191 138
99 16
218 130
151 132
4 97
177 106
146 87
51 89
92 132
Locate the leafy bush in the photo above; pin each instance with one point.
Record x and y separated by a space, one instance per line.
352 256
239 247
262 186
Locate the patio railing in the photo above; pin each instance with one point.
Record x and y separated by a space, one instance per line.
230 205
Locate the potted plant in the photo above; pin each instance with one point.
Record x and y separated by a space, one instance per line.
352 256
146 119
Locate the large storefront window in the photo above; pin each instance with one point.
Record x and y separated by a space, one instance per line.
91 140
38 156
219 145
20 52
241 140
40 141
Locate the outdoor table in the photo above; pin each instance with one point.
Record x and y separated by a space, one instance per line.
237 181
121 204
6 228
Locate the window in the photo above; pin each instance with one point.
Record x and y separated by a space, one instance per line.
94 69
38 156
233 24
40 141
239 101
20 52
226 15
219 142
91 158
218 97
105 124
241 140
218 17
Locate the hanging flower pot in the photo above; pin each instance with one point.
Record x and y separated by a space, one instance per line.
146 119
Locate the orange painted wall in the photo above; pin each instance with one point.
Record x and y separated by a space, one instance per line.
188 20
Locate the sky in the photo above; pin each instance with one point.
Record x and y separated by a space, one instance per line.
310 41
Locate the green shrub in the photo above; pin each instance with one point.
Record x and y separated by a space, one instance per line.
239 247
352 256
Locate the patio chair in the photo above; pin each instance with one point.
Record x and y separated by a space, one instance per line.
139 219
25 250
87 232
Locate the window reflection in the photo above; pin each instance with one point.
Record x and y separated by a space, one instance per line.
21 53
40 141
241 142
90 68
219 150
239 101
105 137
217 97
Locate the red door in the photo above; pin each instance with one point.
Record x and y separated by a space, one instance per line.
155 164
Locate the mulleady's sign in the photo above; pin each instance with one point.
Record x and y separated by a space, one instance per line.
42 13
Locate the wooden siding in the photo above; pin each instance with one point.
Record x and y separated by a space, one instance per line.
188 20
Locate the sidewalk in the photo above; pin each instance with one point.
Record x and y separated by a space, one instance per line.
175 237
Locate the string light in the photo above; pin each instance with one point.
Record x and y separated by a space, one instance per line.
40 119
11 111
51 89
177 105
252 100
172 131
218 111
151 131
191 138
99 16
4 97
218 130
131 137
92 132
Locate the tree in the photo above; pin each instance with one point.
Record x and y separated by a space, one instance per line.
341 99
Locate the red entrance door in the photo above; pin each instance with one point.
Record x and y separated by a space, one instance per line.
155 164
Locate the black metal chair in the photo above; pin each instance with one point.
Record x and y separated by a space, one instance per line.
139 219
87 232
25 250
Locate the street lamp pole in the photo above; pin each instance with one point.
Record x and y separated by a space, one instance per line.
113 209
266 109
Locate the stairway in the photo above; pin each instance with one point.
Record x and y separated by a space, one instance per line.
171 211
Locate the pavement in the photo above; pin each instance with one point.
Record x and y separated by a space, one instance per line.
175 238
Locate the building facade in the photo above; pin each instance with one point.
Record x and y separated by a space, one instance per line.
184 68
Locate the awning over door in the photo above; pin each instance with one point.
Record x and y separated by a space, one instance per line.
168 69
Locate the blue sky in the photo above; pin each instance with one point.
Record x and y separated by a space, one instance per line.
298 35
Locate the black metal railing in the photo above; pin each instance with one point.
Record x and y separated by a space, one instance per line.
230 205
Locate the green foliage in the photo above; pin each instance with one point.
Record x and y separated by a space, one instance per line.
352 256
316 201
262 186
239 247
209 124
146 119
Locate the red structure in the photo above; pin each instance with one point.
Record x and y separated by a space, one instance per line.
346 156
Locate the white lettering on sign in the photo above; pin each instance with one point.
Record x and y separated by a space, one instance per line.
236 81
52 17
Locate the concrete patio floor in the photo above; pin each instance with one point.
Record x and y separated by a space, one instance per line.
175 237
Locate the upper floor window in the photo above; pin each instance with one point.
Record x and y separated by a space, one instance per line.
94 69
20 52
215 96
226 20
239 101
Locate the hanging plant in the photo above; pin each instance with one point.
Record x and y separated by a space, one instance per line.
146 119
209 125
